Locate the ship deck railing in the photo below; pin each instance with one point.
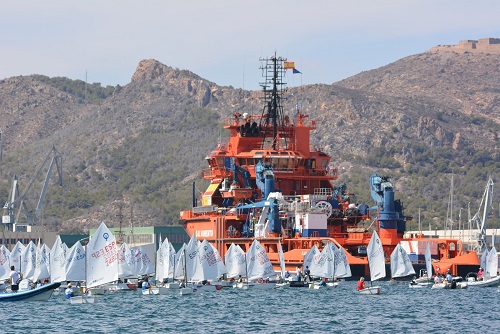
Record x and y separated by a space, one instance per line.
215 172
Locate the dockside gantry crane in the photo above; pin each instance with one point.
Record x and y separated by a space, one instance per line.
21 201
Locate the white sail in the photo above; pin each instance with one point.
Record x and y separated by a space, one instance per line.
400 263
28 261
342 267
179 263
235 262
221 267
58 261
324 264
4 263
42 263
281 257
428 260
258 263
309 256
163 260
75 263
171 260
102 258
376 259
484 256
205 267
15 256
124 262
143 260
190 256
491 263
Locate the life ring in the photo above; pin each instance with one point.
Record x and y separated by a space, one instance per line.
260 280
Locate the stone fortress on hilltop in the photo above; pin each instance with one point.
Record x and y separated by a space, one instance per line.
484 45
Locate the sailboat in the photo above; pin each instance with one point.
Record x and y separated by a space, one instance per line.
376 262
101 262
425 281
323 266
58 261
342 266
281 257
400 263
4 266
208 268
259 268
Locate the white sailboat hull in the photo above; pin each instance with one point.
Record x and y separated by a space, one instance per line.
329 285
82 300
420 285
373 290
258 286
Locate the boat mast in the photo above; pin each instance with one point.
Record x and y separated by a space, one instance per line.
272 114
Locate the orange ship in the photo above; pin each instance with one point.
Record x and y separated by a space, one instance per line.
267 183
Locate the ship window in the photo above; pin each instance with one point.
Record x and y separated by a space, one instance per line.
243 161
324 163
275 162
283 163
220 162
259 152
250 161
452 246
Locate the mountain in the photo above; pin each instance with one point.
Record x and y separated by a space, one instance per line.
132 153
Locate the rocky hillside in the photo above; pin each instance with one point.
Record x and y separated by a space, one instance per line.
140 146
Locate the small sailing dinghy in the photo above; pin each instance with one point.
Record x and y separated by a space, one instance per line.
376 262
259 269
424 282
323 265
101 256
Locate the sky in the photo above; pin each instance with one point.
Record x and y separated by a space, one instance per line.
222 40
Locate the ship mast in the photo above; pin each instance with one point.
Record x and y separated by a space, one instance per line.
273 88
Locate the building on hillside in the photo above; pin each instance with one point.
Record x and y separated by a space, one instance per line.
138 236
37 235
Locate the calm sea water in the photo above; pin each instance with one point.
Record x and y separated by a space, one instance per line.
398 309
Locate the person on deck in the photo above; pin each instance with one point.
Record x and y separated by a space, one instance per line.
307 274
299 274
145 284
480 274
361 283
449 278
69 291
14 278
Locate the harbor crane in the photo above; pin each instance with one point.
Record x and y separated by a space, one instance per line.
479 220
21 201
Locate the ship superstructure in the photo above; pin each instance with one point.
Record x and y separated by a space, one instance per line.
268 183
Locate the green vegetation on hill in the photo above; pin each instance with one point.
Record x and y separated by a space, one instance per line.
92 93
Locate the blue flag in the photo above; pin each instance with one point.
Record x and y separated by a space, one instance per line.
295 71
